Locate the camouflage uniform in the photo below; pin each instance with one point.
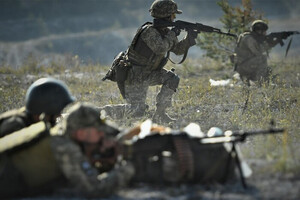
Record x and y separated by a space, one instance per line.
149 71
252 53
146 57
55 158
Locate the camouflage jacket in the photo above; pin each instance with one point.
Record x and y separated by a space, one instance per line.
150 46
249 46
83 177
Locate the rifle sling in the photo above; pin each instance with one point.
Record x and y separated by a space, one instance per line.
183 58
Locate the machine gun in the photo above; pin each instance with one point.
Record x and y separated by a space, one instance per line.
215 135
189 27
277 37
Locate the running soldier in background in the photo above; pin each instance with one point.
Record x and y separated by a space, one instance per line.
142 65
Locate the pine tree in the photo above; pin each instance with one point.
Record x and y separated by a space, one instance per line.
235 19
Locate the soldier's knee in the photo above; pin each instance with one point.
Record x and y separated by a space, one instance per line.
173 81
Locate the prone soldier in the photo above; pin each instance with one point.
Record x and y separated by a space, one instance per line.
39 158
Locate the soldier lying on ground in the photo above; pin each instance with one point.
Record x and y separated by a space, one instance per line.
161 155
35 160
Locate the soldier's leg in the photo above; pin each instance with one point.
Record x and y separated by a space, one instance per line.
136 96
169 81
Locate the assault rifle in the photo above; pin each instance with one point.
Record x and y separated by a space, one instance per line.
278 37
217 136
189 27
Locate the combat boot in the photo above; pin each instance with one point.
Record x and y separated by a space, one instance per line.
160 116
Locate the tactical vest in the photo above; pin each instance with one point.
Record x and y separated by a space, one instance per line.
26 161
140 54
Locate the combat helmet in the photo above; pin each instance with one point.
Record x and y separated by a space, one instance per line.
47 95
259 25
163 8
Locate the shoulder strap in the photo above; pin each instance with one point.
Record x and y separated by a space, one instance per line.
138 33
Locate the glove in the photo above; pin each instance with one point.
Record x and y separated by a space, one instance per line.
191 36
176 31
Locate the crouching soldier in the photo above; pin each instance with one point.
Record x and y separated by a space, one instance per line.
39 159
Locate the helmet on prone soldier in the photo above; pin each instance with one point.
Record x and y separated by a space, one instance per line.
48 96
259 25
163 8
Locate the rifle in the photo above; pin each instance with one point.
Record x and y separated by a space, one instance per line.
189 27
233 137
278 37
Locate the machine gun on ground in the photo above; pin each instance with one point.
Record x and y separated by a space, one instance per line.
215 136
149 139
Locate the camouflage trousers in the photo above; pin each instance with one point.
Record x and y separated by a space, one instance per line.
136 87
255 69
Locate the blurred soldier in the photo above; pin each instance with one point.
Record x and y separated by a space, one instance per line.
45 96
164 156
252 52
142 65
160 155
38 160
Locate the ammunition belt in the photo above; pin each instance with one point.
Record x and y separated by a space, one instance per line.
185 157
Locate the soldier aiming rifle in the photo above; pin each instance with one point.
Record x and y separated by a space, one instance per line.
252 51
142 64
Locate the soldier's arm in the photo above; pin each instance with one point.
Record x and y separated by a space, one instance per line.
83 177
157 43
11 125
253 46
188 41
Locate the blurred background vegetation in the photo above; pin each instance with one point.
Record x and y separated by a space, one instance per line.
96 30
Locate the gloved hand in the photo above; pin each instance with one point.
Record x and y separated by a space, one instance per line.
191 36
176 31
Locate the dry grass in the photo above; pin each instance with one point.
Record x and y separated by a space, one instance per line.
195 101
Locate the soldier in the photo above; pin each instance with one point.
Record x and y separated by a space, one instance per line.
252 52
39 160
45 96
142 64
160 155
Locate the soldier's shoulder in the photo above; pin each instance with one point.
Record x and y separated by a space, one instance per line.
11 123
